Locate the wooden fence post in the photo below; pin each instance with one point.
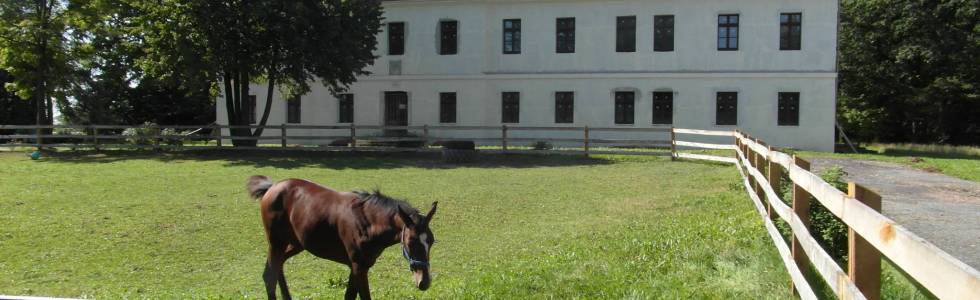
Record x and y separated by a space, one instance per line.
503 137
774 175
353 137
586 140
801 207
155 131
38 139
216 131
863 260
282 134
673 144
95 137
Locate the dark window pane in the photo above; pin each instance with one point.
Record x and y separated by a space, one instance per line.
663 108
728 32
448 42
293 112
565 35
512 36
346 108
726 110
663 33
447 107
790 31
510 107
564 107
396 38
624 107
626 34
789 109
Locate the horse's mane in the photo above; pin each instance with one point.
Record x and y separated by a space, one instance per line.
382 201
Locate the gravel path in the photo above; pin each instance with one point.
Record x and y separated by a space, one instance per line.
939 208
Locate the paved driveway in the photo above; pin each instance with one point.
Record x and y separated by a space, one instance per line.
939 208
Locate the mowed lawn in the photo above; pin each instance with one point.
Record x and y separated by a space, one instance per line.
513 227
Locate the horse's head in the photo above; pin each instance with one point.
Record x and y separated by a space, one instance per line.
417 240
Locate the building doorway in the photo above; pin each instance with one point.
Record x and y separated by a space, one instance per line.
396 112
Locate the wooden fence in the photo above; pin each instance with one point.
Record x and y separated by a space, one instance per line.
871 234
280 137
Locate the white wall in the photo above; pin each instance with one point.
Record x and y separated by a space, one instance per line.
695 71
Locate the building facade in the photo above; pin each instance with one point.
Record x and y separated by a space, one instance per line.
764 66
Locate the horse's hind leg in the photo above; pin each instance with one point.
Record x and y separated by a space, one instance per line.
292 250
273 269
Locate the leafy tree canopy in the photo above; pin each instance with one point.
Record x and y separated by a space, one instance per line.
909 70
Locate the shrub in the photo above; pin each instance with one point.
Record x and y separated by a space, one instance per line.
829 231
141 135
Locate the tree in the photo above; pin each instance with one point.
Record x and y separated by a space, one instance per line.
32 50
109 87
285 44
909 70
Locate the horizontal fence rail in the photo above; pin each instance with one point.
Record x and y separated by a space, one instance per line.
872 234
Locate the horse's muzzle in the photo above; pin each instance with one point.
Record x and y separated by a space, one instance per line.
422 279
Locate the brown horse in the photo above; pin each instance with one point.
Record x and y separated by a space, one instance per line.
348 228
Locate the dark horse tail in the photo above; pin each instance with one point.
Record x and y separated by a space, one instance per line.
257 186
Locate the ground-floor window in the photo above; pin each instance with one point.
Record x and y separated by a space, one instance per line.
447 107
625 102
663 107
564 107
346 105
726 110
789 109
293 111
511 103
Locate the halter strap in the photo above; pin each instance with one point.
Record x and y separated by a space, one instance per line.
412 263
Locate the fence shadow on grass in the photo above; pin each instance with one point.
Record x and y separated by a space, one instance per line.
331 160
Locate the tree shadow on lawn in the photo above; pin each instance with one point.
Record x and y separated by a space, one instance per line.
328 160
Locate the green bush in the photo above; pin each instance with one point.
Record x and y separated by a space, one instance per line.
826 228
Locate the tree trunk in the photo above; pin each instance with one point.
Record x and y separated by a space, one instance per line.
268 107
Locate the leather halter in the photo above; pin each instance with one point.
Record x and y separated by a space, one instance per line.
413 264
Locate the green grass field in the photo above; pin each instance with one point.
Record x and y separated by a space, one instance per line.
130 225
180 226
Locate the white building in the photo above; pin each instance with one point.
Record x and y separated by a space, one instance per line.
764 66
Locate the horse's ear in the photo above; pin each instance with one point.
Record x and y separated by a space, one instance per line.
432 211
406 218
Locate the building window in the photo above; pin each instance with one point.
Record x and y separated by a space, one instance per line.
448 43
512 36
663 33
726 112
624 107
663 107
396 38
346 108
251 109
293 111
564 107
511 107
727 32
789 109
790 31
447 107
626 34
565 35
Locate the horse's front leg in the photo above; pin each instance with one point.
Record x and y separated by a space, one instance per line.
357 284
